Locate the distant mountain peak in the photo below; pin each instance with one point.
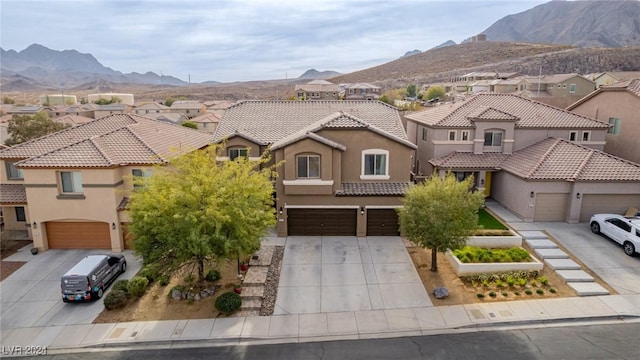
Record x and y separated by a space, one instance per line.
319 75
409 53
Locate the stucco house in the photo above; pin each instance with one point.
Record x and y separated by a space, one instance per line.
346 163
151 108
541 162
558 90
317 90
619 106
208 121
612 77
68 188
362 91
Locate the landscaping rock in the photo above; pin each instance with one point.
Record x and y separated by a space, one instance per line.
190 296
176 294
197 297
441 293
204 293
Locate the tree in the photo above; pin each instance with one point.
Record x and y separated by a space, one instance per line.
168 101
190 124
412 91
440 214
435 92
23 128
195 211
112 100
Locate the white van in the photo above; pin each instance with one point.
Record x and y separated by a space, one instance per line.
89 278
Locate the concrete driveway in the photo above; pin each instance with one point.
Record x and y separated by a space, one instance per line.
343 273
601 254
31 295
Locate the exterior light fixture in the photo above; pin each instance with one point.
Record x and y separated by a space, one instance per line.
113 226
362 210
34 225
280 210
578 195
532 194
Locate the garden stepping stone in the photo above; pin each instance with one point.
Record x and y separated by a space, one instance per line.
575 276
588 288
263 256
541 244
562 264
533 234
551 253
256 275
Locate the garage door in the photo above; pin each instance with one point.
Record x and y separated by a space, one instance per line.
607 203
550 207
328 222
78 235
382 222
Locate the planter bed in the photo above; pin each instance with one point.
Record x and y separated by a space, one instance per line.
484 268
495 241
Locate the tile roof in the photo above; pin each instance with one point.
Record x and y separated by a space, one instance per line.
559 159
362 86
208 117
271 121
152 106
12 194
531 114
317 85
72 119
110 141
373 189
467 160
552 79
632 86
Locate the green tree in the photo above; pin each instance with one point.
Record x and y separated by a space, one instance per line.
195 211
190 124
112 100
23 128
440 214
8 100
435 92
412 91
385 99
168 101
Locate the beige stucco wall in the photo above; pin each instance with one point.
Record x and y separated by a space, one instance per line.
622 105
102 189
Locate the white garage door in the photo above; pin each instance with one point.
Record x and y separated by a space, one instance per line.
550 207
607 203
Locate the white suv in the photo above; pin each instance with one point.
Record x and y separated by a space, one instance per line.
622 230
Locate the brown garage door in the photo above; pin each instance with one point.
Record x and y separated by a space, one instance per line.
328 222
607 203
382 222
550 207
78 235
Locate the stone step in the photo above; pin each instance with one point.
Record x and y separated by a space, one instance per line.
541 244
588 288
263 256
256 275
251 304
551 254
252 292
532 234
575 276
562 264
248 313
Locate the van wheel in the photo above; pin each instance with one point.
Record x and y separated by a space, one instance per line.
100 293
123 268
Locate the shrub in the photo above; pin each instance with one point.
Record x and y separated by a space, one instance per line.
163 280
189 278
492 294
151 272
120 285
505 294
528 292
213 275
228 302
516 293
480 295
522 281
539 291
476 254
553 290
116 299
543 280
137 286
511 280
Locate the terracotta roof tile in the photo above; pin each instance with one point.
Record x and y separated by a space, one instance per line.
631 85
531 114
270 121
373 189
12 194
467 160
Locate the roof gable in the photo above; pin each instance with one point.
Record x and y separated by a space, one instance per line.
491 114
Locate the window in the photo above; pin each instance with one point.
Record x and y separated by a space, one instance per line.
20 216
71 181
375 164
572 88
615 126
235 153
573 136
493 138
351 91
452 135
586 135
465 135
13 173
138 177
424 134
308 166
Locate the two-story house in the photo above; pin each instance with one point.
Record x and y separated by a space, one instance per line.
542 162
612 77
151 108
69 188
189 108
619 106
208 121
346 163
317 90
362 91
558 90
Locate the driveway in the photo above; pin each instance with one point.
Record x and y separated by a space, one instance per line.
31 295
343 273
601 254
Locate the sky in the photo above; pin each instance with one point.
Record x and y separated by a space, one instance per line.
243 40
